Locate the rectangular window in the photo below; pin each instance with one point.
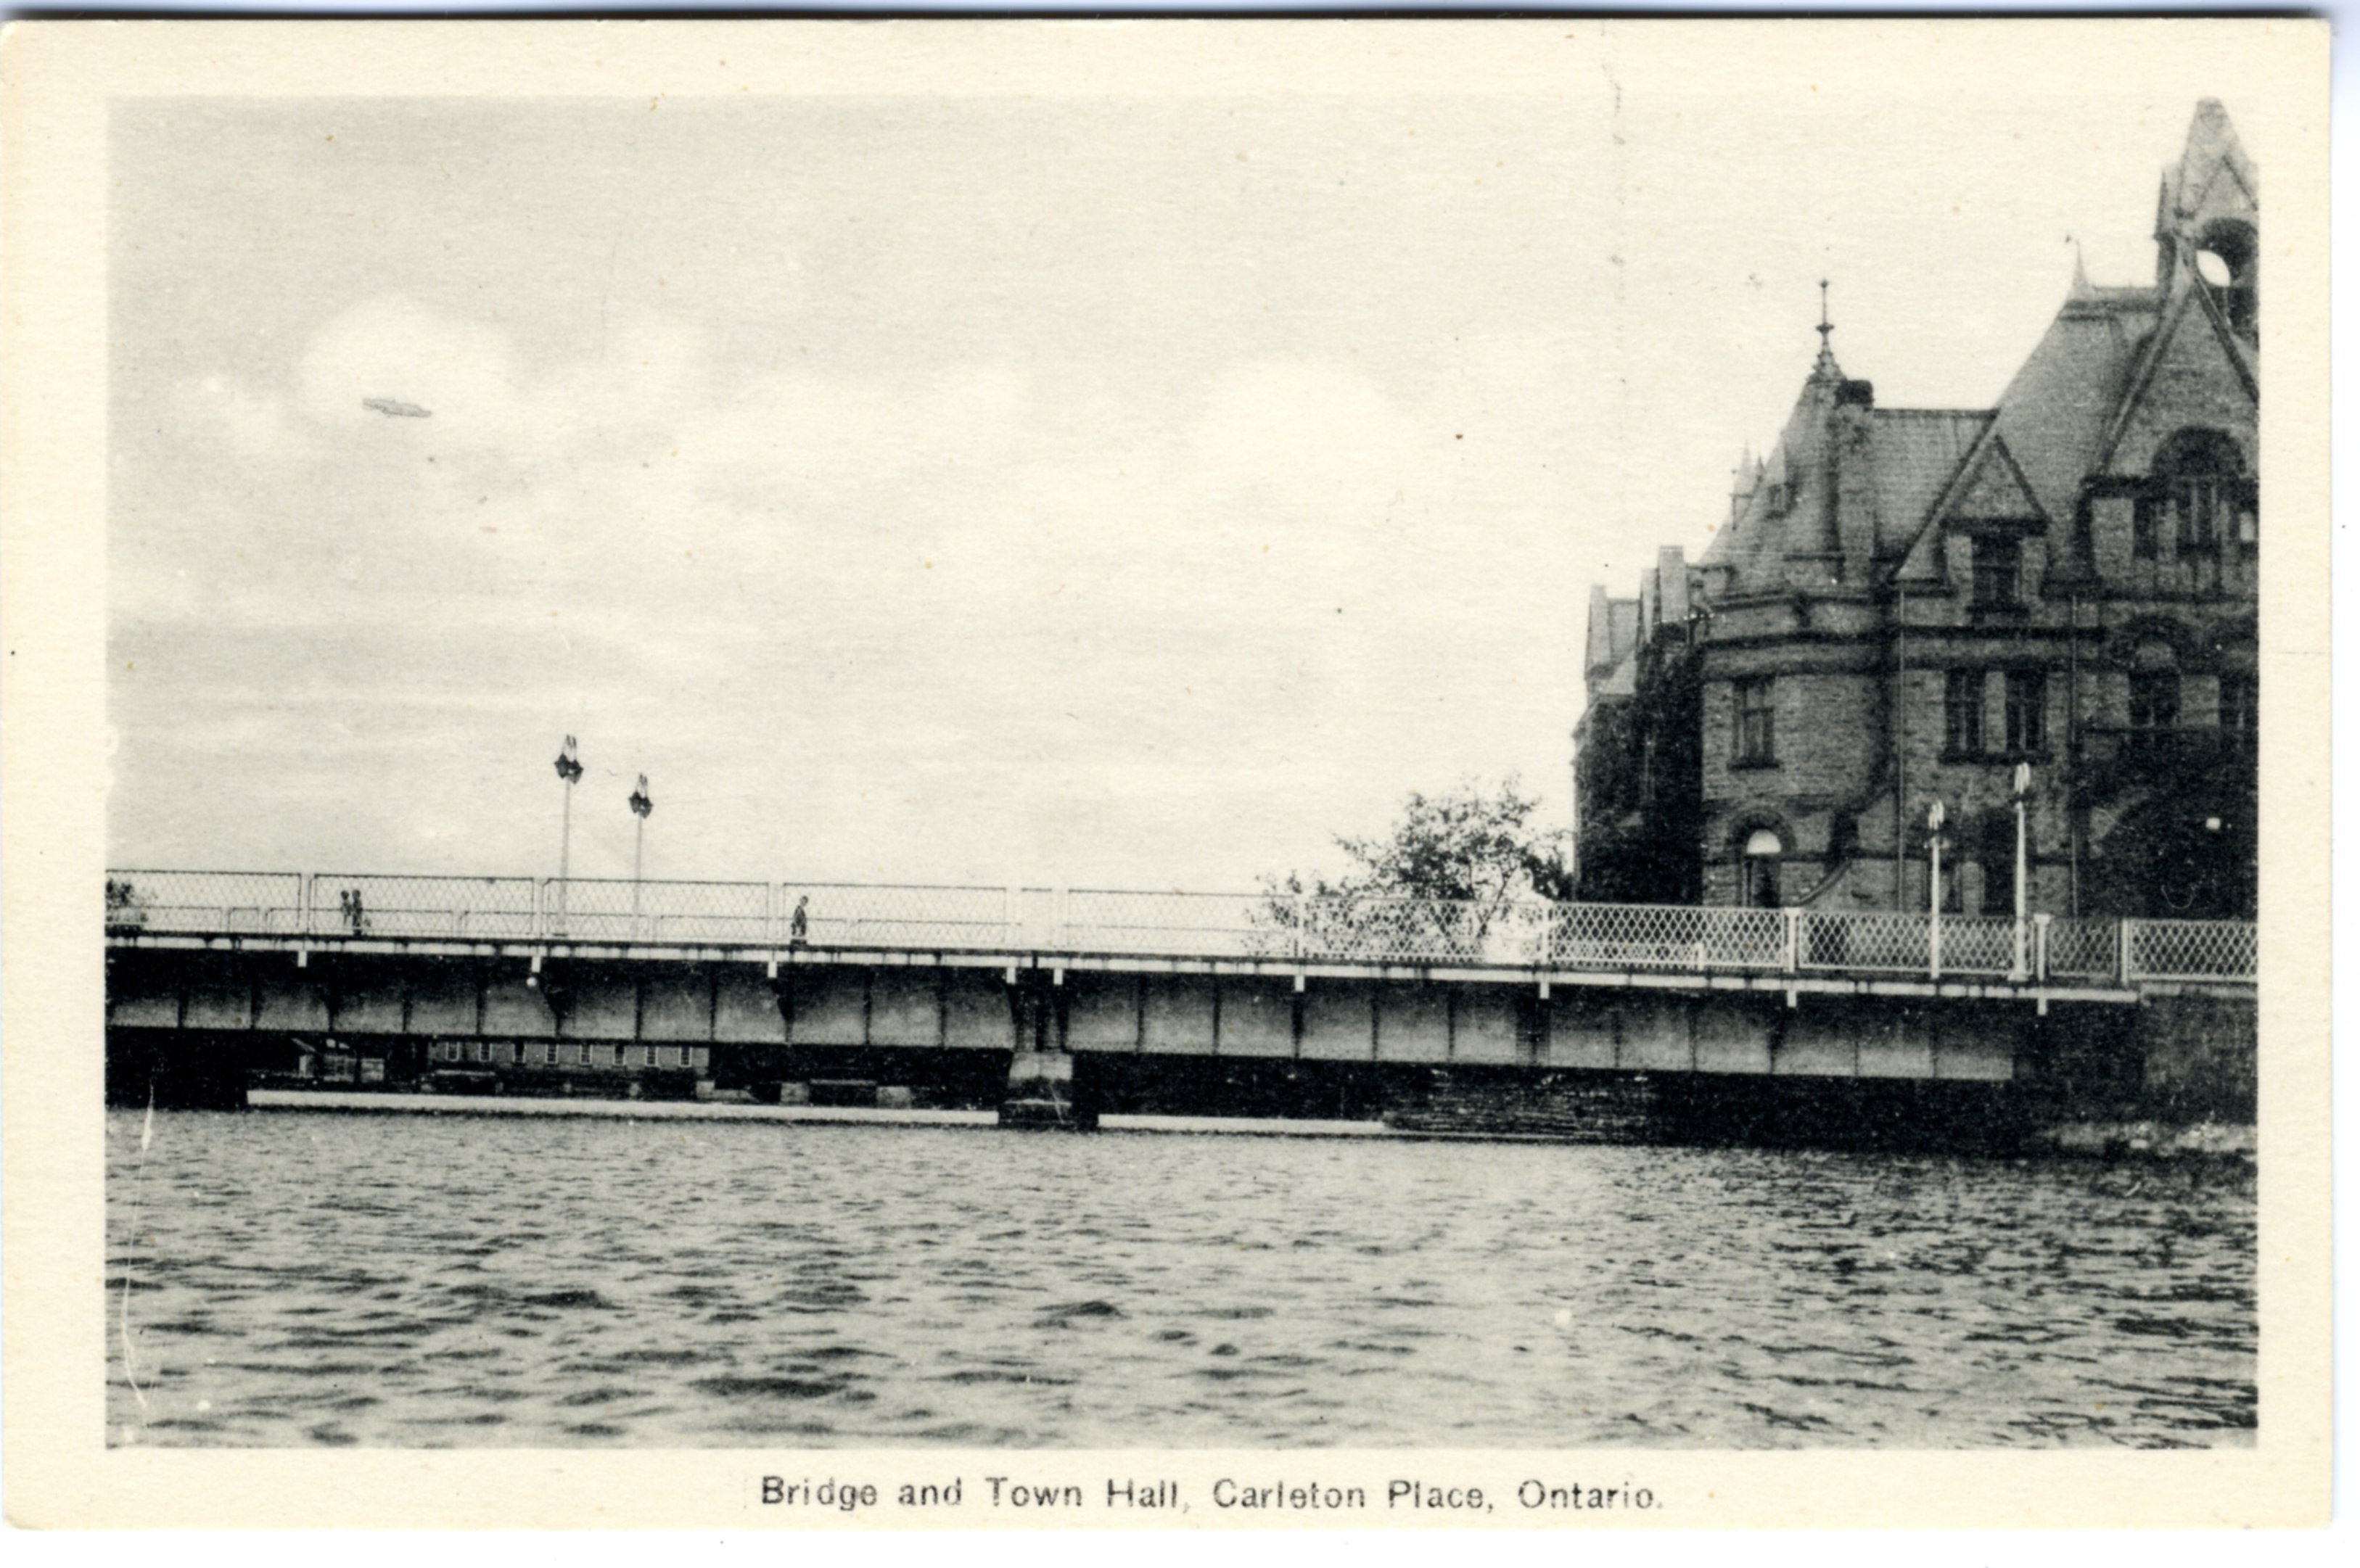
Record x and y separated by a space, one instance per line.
1962 712
2239 709
2196 507
1998 565
1999 883
1756 721
2027 710
2155 704
2142 529
1999 868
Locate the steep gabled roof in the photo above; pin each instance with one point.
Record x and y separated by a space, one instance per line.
1919 453
2056 412
2215 175
2192 311
1990 488
2062 419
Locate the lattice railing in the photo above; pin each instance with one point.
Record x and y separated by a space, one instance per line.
604 911
1982 944
1322 928
1666 936
261 902
2191 950
2085 949
451 907
1866 941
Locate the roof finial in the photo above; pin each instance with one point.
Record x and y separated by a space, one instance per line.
1824 369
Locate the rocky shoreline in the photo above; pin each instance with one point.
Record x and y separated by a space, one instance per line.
2145 1140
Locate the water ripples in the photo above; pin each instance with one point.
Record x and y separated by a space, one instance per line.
315 1279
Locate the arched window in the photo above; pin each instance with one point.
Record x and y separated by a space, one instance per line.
2154 709
2227 260
1758 869
2200 488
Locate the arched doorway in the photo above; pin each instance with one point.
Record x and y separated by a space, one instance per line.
2183 856
1758 869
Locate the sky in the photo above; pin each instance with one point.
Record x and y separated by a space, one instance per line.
1088 492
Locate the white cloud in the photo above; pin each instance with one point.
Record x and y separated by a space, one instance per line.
1108 616
254 425
392 348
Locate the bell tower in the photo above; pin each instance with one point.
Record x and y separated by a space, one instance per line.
2208 221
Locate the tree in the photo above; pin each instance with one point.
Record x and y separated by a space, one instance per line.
1473 847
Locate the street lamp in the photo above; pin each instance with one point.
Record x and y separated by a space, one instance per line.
642 804
2022 791
1934 817
568 768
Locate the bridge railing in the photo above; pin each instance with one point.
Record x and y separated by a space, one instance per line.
359 904
2191 950
1665 936
263 903
1221 925
848 914
2084 948
622 910
1306 928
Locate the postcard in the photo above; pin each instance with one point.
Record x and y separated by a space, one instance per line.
1545 774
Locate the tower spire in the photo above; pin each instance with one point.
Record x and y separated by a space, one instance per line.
1825 367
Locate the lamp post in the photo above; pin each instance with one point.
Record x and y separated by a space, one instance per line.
568 768
1934 889
2022 791
642 804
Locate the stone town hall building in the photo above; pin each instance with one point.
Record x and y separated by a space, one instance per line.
1905 603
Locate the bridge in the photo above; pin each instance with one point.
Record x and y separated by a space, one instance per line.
523 982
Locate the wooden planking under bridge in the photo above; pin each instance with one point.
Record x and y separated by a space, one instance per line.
843 1000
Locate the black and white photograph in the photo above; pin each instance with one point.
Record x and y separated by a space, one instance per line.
1202 759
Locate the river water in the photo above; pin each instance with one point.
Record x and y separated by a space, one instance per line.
311 1278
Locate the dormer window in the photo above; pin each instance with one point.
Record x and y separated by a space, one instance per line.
1998 567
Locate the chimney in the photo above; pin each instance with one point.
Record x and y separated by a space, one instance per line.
1672 585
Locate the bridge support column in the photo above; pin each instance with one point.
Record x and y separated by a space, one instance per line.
1040 1078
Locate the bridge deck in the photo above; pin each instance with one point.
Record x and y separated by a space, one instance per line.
1298 971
